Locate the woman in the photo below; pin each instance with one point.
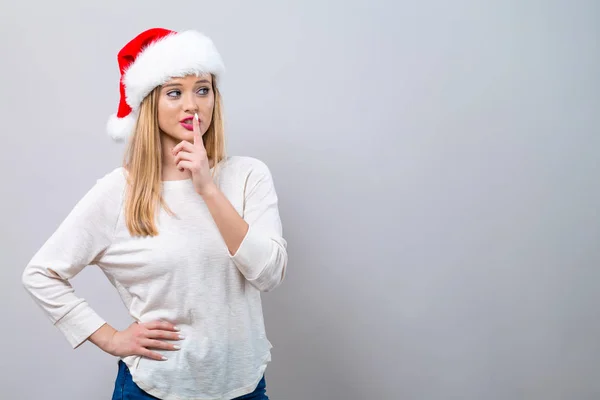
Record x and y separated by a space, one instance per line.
188 236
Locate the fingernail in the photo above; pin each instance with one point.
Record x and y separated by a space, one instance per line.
196 116
176 328
181 337
177 347
164 358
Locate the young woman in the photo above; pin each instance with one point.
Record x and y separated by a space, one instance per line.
188 236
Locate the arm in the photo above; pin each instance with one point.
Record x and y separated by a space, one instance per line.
255 241
233 228
79 241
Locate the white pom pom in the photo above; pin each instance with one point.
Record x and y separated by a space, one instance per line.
120 129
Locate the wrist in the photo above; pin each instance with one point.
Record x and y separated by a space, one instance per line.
103 338
209 191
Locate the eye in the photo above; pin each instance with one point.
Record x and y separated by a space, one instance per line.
203 90
173 93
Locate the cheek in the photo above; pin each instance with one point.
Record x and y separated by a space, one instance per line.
208 109
167 114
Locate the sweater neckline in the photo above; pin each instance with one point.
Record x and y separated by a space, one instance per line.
180 182
177 183
173 183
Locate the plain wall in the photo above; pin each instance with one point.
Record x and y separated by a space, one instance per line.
437 168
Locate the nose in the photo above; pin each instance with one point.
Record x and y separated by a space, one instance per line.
189 103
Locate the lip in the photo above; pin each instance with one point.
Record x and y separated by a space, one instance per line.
187 126
187 123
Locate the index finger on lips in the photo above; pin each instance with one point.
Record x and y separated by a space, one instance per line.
197 135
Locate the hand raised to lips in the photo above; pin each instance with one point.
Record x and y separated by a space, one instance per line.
193 157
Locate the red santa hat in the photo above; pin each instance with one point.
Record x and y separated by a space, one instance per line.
151 59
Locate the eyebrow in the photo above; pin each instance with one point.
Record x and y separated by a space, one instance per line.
179 84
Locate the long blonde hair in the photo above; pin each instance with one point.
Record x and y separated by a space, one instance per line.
143 162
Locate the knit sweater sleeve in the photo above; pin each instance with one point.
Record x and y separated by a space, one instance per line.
262 255
80 240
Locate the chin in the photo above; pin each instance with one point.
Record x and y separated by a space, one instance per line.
187 135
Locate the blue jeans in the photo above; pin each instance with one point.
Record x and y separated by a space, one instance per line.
126 388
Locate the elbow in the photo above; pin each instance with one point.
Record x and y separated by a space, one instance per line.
262 260
268 285
27 279
272 285
273 274
35 278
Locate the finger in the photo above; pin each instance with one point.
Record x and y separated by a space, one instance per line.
163 325
152 355
167 335
183 155
196 124
157 344
183 145
183 165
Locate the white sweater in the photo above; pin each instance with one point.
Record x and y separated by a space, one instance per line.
185 275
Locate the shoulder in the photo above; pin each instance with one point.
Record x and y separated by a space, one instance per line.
101 203
247 173
107 190
246 165
111 183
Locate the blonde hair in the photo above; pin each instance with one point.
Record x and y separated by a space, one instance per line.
143 162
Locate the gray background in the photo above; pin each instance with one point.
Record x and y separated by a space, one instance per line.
437 166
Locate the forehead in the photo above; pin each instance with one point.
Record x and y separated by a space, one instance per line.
189 79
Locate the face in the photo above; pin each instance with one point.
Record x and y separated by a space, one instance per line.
179 99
